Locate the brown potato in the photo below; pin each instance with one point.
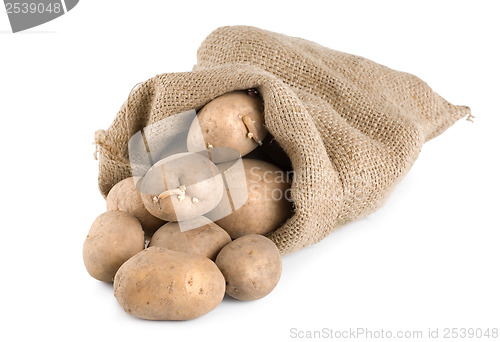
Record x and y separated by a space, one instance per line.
234 120
125 197
266 206
251 266
114 237
182 187
206 240
160 284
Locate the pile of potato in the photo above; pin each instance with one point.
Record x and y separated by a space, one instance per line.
204 237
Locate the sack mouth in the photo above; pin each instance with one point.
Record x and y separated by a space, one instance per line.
315 182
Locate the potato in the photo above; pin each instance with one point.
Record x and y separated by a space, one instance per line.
160 284
114 237
251 266
182 187
234 120
205 241
267 205
125 197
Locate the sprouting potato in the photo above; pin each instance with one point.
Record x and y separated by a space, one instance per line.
234 120
182 187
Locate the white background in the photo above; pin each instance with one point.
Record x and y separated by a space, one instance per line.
429 258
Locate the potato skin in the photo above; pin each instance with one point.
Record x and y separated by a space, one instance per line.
114 237
205 241
125 197
251 266
160 284
267 206
220 124
200 176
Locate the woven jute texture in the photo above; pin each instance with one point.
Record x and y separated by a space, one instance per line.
351 127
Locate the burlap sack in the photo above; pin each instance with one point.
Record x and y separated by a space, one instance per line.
351 127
